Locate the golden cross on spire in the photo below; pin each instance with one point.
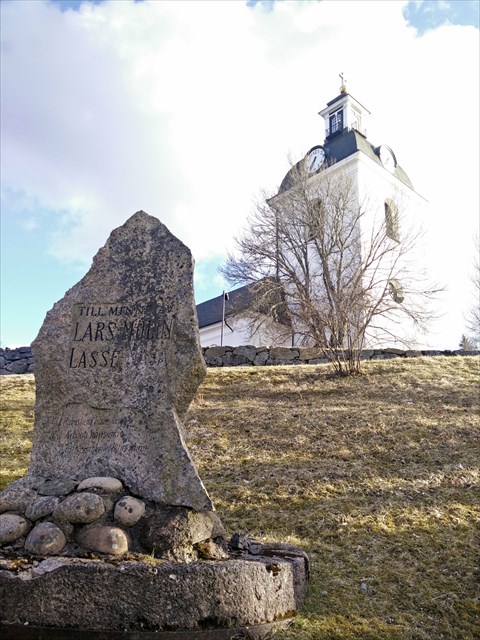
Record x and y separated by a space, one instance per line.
343 88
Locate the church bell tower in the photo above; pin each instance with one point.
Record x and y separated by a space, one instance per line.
344 113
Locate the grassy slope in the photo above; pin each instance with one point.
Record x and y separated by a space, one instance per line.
375 476
17 397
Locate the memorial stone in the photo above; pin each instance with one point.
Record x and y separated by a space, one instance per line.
118 363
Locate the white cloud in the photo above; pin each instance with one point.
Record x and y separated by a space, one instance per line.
186 109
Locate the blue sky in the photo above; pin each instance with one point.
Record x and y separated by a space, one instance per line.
430 14
422 14
188 109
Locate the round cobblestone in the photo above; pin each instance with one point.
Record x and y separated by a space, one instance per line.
110 540
128 511
12 527
80 508
45 539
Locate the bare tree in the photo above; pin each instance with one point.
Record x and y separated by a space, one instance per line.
473 319
341 279
466 343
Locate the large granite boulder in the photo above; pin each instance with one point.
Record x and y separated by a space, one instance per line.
118 362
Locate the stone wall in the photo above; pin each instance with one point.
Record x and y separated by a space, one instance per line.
16 360
257 356
21 360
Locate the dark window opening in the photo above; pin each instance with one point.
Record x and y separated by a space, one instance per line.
336 121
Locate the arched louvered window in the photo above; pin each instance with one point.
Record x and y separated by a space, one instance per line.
396 291
391 220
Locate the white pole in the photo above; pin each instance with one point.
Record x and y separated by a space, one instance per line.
223 318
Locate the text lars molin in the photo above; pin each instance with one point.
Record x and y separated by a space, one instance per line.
101 332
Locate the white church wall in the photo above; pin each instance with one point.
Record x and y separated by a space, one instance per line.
212 335
239 332
345 170
376 185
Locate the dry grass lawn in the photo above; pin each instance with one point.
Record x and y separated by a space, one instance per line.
17 398
376 477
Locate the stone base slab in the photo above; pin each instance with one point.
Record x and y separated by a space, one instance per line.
254 632
132 596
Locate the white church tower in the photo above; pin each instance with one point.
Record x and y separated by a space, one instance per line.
383 188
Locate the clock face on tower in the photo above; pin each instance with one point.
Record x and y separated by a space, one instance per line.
387 158
315 158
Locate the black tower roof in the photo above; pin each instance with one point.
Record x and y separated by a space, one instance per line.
340 146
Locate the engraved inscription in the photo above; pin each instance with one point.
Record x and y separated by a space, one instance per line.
81 359
93 431
101 332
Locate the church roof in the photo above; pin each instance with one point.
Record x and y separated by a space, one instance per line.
210 311
341 146
262 296
341 96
